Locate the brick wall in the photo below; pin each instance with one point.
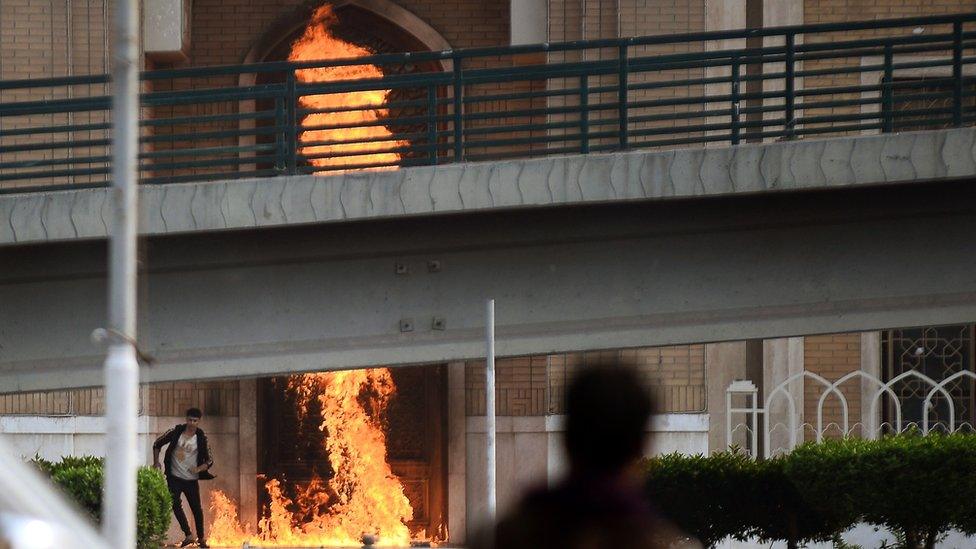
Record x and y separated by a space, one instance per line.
834 11
599 19
45 39
831 356
214 398
536 385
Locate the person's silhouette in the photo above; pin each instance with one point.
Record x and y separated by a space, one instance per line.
600 504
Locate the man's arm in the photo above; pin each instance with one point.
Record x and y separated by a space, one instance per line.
163 440
204 449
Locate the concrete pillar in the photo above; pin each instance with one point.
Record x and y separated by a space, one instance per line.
247 417
456 454
722 15
782 358
724 363
529 21
870 364
778 14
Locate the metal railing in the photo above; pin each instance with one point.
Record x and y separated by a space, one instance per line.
492 103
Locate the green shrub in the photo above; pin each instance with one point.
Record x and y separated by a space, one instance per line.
701 495
81 479
918 487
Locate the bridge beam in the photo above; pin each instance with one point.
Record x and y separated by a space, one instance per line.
406 291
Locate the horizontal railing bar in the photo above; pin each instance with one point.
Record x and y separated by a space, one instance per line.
207 151
69 128
208 163
40 162
207 176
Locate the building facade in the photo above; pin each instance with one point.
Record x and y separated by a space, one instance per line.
64 38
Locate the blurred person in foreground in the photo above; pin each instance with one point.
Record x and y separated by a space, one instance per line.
600 504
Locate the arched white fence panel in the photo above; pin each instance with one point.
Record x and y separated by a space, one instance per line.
871 391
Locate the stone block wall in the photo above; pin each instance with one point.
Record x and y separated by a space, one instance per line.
536 385
47 39
832 356
214 398
835 11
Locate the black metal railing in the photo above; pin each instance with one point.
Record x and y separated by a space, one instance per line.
491 103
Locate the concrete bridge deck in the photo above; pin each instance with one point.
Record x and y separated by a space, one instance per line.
272 276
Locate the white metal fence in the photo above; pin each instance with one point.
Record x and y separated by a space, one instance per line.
857 404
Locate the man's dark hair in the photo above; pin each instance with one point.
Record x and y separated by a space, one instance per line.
194 412
607 407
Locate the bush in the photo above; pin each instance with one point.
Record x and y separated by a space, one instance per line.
919 487
702 495
81 479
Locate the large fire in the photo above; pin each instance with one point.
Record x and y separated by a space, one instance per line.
363 497
354 109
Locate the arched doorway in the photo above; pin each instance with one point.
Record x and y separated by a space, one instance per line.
378 26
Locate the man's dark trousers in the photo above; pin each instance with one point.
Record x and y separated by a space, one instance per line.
191 488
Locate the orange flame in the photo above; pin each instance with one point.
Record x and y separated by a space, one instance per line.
368 499
316 44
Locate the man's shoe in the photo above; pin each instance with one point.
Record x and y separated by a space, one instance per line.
189 540
203 543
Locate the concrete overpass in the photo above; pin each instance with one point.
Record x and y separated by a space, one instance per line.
268 276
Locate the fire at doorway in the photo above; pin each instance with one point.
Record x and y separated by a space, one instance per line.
344 454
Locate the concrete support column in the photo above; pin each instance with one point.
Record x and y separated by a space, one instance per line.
870 364
778 14
724 363
722 15
529 22
456 454
782 358
247 449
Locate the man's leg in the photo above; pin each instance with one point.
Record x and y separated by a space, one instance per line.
193 498
176 488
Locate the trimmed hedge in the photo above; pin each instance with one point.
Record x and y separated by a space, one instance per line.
81 479
920 487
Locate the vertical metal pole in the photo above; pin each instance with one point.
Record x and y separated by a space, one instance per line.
622 97
121 369
458 108
957 89
432 124
291 104
888 92
584 99
734 120
490 412
789 87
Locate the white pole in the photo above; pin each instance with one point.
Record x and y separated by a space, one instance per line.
121 369
490 412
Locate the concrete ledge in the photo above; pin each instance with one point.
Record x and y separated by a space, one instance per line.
455 188
696 422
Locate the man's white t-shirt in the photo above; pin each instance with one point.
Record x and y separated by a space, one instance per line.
185 457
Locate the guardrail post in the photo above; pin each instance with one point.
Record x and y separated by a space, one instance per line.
957 74
622 96
281 123
888 92
735 101
789 113
291 137
458 104
432 123
584 99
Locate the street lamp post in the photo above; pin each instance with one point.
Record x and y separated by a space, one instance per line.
121 368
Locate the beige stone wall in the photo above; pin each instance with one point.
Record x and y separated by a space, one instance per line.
214 398
832 356
601 19
835 11
535 386
46 39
